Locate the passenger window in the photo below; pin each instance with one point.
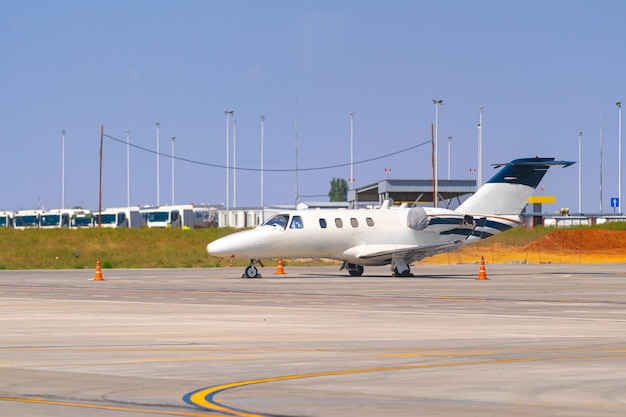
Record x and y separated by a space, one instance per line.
369 221
296 222
338 223
323 223
354 222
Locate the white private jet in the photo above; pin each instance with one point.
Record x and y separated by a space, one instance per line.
390 235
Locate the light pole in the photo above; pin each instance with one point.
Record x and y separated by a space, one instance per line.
600 163
62 169
262 169
295 128
619 157
479 182
128 168
158 154
437 103
449 142
351 150
173 141
580 195
235 163
228 113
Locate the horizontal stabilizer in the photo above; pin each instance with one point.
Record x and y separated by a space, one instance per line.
507 192
526 171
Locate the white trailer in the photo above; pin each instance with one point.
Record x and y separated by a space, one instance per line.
55 219
6 218
205 216
171 216
81 219
120 217
26 219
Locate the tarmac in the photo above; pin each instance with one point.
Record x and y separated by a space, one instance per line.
545 340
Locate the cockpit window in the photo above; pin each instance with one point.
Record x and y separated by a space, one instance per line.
296 222
279 220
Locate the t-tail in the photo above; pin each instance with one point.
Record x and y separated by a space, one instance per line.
507 192
496 205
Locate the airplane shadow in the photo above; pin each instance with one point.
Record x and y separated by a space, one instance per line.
415 276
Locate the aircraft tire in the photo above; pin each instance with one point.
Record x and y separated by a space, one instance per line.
404 274
251 272
355 270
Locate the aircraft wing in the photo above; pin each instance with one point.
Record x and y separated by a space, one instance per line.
413 252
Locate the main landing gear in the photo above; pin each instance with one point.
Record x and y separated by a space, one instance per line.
400 268
353 269
405 273
252 271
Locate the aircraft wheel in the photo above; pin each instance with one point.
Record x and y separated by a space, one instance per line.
405 273
251 272
355 270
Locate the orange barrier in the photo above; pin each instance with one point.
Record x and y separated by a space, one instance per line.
98 275
280 270
482 273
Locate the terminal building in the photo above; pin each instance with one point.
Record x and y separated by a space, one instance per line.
452 192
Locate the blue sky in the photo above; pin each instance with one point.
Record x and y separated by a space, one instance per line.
543 70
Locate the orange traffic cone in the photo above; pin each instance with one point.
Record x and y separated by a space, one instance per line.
482 273
279 268
98 275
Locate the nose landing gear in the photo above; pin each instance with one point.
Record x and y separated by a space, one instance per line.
251 271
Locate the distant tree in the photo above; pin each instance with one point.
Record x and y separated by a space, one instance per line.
338 190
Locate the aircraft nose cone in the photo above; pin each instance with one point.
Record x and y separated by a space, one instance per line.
246 244
218 247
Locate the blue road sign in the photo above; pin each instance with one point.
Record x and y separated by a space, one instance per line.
614 202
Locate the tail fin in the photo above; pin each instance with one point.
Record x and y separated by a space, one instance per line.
507 192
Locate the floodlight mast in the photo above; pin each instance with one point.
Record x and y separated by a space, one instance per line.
128 168
235 163
600 163
449 143
228 113
619 157
158 156
437 103
479 182
351 150
262 169
580 196
62 169
173 158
